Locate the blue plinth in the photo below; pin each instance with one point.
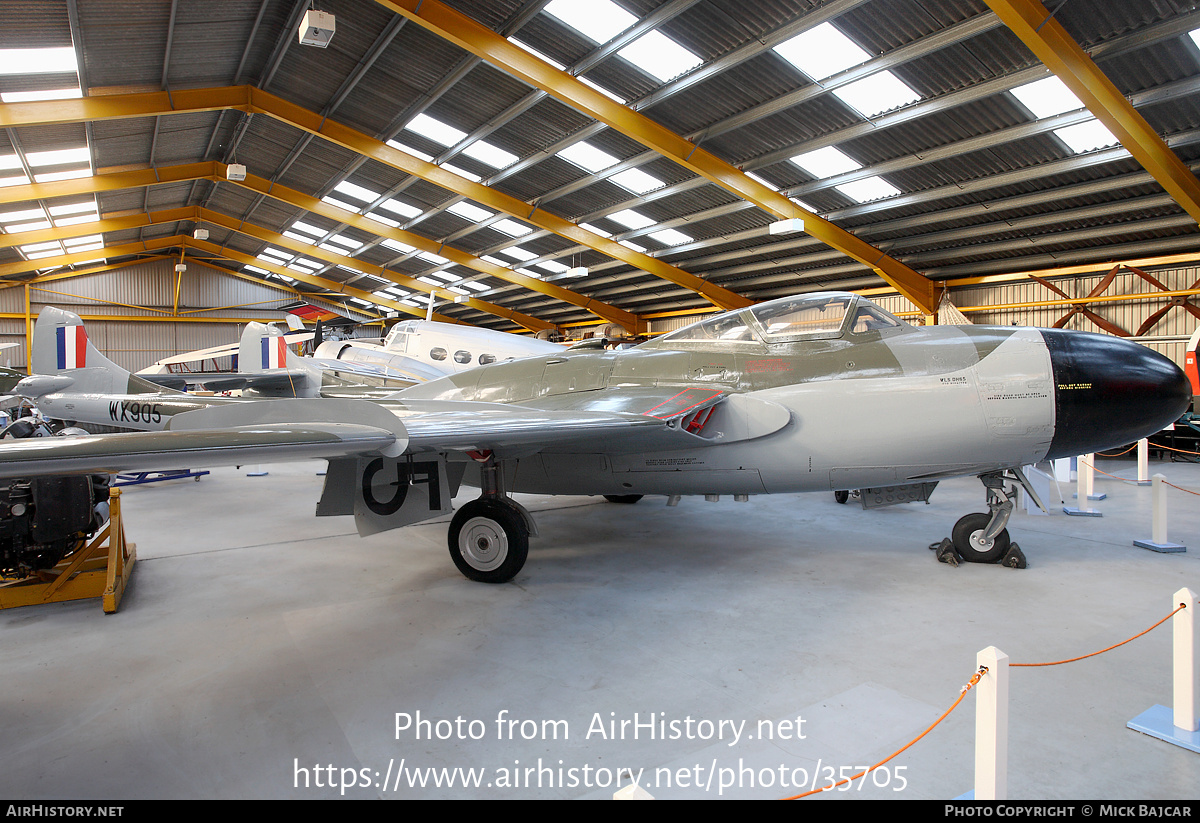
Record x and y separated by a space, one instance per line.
1082 512
1159 721
1160 547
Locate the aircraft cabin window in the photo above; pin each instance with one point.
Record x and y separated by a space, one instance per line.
437 353
484 359
870 318
463 357
729 328
803 317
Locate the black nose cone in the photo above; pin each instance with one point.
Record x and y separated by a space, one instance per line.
1109 392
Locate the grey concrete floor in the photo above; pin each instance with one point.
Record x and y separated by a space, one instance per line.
263 653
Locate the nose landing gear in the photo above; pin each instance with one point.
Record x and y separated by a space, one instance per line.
983 537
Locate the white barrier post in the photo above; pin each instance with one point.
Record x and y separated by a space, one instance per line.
1179 725
1158 528
991 726
1143 462
1083 488
1184 630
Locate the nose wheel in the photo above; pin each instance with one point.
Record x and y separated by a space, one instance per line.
489 540
972 543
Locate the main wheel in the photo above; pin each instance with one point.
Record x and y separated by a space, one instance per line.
622 498
841 495
488 541
970 543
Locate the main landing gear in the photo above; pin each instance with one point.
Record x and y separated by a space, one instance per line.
489 537
983 537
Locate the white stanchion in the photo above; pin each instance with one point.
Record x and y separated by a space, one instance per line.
1178 725
1143 462
1083 488
1158 528
991 726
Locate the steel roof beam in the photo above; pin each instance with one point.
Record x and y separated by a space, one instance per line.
1051 44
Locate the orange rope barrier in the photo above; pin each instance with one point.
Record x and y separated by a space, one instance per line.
975 679
1102 651
1127 480
1118 454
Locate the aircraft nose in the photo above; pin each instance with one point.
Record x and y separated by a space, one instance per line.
1109 392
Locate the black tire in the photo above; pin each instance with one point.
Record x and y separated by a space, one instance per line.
841 496
629 499
488 541
967 539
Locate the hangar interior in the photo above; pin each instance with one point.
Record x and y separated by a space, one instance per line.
949 159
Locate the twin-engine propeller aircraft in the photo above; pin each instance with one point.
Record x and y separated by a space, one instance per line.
440 348
816 392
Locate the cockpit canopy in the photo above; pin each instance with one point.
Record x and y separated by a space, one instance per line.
820 316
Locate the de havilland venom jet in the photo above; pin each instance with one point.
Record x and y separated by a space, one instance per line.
816 392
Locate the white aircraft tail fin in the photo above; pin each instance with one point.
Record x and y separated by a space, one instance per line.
264 349
61 347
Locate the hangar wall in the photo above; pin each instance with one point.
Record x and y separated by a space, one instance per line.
211 305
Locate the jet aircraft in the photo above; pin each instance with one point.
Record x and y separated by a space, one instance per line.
822 391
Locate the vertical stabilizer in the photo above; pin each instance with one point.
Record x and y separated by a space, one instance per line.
61 346
263 350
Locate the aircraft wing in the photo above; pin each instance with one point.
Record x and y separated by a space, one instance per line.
298 429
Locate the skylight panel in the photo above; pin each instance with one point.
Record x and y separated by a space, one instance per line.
631 219
400 208
822 52
870 188
468 211
71 174
495 261
825 162
271 259
17 228
45 94
255 269
39 254
379 218
637 181
35 247
587 157
1047 97
14 181
76 219
396 245
803 205
300 238
595 229
1195 35
308 228
91 240
536 275
429 280
38 61
72 208
341 204
511 227
474 178
457 290
597 20
876 94
60 157
435 130
420 155
10 161
631 245
762 180
448 276
342 240
1086 136
430 257
670 237
472 284
518 253
561 67
494 156
358 192
23 214
659 56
